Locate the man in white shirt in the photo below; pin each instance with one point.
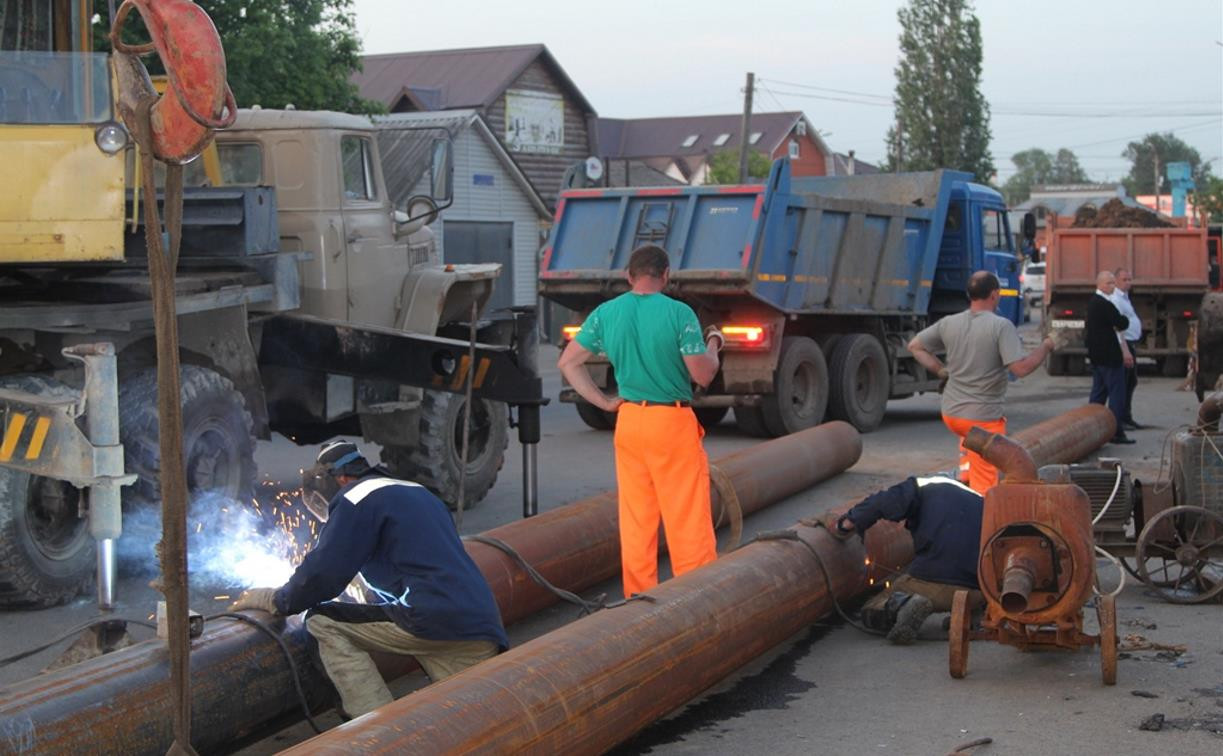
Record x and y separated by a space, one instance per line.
1132 335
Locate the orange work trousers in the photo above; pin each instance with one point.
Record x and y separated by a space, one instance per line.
982 476
662 473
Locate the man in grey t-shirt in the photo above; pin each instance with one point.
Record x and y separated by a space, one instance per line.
981 347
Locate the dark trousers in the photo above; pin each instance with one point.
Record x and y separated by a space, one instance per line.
1131 382
1108 384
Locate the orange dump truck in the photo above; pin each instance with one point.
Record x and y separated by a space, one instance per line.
1171 274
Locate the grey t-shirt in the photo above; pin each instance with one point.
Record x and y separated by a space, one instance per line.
979 346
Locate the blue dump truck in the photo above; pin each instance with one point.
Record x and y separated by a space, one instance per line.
817 283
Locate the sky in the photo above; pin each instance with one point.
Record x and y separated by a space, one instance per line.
1089 75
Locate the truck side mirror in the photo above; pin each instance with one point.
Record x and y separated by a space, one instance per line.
441 171
1029 226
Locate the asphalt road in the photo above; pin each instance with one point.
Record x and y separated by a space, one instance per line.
831 689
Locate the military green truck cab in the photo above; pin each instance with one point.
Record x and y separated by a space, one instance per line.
307 305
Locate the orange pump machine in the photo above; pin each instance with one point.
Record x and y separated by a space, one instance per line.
1037 564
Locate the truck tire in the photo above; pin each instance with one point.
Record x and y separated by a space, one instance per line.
860 378
709 417
596 418
800 388
218 443
436 462
751 421
46 552
1056 364
1174 366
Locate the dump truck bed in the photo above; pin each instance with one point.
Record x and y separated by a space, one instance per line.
1168 259
844 245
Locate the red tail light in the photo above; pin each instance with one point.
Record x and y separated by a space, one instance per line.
746 336
1067 312
1187 314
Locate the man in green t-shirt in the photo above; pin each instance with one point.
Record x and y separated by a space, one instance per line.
654 344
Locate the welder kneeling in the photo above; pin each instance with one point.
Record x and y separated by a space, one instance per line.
424 596
944 518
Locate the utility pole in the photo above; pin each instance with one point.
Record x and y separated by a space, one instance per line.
900 144
745 126
1155 158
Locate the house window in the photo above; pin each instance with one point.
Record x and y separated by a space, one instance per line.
794 150
691 140
357 154
721 140
756 136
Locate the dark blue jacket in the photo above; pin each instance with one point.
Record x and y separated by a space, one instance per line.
943 516
401 539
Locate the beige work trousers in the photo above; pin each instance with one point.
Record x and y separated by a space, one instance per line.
345 650
940 594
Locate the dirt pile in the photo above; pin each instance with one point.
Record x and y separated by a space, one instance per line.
1116 214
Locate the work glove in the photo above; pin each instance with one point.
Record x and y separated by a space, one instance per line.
714 332
1060 338
943 376
832 522
256 598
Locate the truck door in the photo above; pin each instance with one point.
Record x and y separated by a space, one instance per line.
376 262
999 259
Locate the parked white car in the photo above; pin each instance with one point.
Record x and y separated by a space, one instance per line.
1032 282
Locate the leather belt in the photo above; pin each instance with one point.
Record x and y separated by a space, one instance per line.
676 403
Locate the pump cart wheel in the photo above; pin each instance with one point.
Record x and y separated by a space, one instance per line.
1190 563
957 639
1106 613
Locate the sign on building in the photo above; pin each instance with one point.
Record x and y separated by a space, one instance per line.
534 122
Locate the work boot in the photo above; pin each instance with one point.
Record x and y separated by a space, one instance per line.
909 620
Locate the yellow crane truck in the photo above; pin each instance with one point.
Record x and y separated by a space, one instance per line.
307 305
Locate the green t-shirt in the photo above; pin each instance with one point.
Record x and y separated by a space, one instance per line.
645 336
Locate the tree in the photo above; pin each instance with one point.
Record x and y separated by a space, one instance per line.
1168 149
1209 198
942 120
1035 166
724 166
280 52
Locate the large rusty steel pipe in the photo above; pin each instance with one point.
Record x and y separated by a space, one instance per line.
587 686
1068 437
594 683
119 703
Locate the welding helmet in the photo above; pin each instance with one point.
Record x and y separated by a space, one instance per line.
320 483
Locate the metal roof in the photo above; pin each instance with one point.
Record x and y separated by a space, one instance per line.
258 118
447 79
672 137
405 140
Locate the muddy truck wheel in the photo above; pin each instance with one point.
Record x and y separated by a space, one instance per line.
800 388
436 462
218 444
46 553
861 381
594 417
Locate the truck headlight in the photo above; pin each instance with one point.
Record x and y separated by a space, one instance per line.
110 138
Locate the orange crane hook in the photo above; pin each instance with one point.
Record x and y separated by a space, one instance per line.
185 39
